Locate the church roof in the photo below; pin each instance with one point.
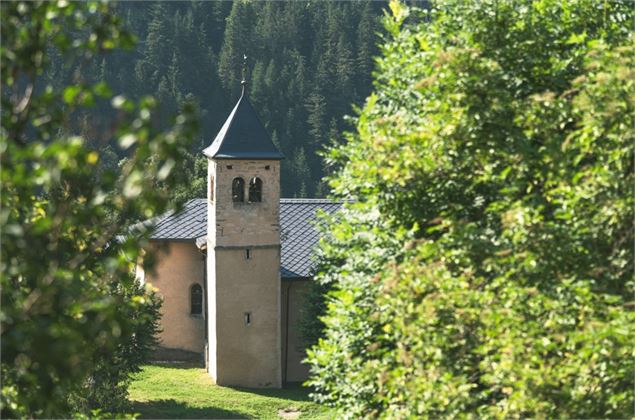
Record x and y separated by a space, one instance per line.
298 235
243 136
184 226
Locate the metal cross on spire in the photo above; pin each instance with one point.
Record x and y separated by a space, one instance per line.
243 82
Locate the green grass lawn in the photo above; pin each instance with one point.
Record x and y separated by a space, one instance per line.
186 391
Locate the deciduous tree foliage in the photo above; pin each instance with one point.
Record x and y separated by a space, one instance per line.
486 268
75 323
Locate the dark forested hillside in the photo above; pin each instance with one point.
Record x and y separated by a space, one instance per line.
307 63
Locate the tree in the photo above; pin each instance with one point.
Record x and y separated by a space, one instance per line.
75 323
316 108
300 171
236 44
485 266
365 50
156 56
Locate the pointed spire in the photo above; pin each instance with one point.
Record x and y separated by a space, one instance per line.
243 136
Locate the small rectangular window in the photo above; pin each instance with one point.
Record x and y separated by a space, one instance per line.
247 318
267 167
229 166
248 254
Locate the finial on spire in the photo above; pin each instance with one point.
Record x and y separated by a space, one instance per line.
243 82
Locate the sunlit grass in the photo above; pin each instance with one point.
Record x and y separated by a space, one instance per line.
174 391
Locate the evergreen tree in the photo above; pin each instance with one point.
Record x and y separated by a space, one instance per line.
300 172
157 48
237 42
316 107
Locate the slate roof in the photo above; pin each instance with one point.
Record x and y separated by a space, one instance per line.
243 136
297 232
298 235
187 225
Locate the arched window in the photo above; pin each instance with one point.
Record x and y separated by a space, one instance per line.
196 299
238 190
255 190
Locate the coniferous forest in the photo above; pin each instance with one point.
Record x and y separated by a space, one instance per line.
307 63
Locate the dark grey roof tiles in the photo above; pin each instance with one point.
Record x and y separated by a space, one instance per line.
243 136
298 235
189 224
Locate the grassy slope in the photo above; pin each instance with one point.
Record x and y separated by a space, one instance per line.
187 392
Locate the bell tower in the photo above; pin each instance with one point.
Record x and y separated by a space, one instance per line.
243 245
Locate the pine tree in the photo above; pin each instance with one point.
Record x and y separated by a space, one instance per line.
237 42
316 108
173 78
365 49
258 90
301 172
155 54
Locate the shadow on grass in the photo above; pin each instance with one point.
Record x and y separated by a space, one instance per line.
291 391
177 364
172 409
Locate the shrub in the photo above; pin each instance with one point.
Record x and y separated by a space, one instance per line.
106 386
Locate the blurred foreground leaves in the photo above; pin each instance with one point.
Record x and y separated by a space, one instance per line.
74 320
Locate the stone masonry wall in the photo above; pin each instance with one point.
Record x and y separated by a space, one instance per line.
239 224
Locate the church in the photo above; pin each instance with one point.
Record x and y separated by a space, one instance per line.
233 268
